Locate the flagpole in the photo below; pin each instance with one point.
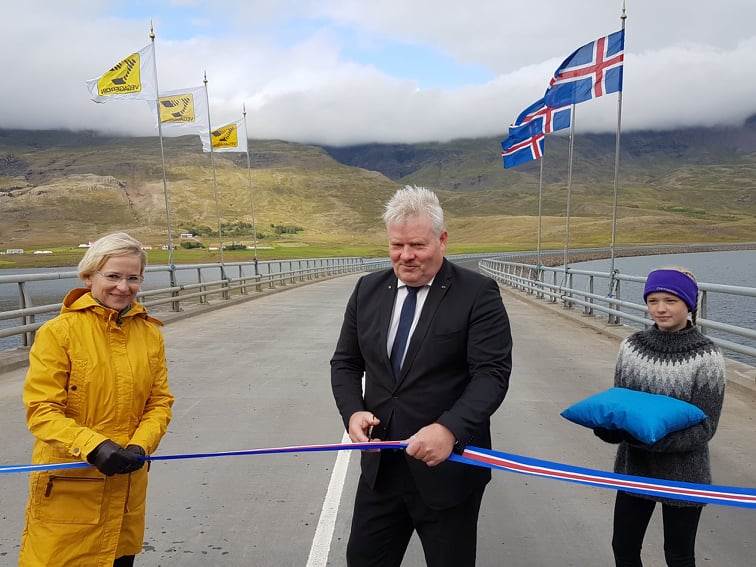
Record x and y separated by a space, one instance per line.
215 183
569 191
162 157
251 192
540 204
623 17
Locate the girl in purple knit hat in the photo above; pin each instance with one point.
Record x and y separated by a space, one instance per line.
671 358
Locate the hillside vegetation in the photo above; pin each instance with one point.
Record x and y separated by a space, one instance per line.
61 188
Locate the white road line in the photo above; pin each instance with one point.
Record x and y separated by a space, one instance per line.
321 543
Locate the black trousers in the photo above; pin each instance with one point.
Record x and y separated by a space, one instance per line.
124 561
631 517
385 517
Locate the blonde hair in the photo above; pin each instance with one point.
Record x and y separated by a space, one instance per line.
680 269
115 244
414 202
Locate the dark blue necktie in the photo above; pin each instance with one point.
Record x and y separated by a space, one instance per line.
402 331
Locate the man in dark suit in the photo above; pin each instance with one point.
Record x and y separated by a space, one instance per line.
434 344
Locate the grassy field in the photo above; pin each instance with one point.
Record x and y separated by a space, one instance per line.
71 256
466 235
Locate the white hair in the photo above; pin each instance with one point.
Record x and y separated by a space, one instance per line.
115 244
413 201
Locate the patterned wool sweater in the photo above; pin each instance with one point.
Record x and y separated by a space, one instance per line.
685 365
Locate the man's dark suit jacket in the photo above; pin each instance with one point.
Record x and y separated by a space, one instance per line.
456 372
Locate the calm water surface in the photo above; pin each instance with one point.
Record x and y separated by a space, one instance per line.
53 291
730 268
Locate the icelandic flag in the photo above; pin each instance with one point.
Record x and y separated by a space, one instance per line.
523 132
516 153
591 71
553 119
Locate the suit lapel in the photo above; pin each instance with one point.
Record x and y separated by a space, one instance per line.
385 310
441 284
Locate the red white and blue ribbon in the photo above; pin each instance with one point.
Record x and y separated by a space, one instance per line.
674 490
475 456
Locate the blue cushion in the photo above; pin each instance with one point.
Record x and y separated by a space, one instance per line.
647 417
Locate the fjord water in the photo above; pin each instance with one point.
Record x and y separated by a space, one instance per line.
729 268
52 291
737 267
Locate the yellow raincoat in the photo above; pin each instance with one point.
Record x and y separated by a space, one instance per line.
91 377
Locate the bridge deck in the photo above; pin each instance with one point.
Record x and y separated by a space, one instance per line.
257 375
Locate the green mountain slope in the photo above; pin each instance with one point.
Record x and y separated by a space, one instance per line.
55 188
60 188
682 185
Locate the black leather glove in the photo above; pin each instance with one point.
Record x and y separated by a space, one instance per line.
137 454
110 458
615 436
610 435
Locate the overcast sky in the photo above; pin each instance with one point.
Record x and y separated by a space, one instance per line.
355 71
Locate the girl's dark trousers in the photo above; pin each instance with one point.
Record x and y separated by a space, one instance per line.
631 517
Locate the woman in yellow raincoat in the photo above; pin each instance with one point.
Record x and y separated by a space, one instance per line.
96 390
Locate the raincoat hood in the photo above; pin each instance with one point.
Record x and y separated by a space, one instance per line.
81 298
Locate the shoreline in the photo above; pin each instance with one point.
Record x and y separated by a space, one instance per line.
550 257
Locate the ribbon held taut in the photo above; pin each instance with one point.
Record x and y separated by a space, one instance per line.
496 460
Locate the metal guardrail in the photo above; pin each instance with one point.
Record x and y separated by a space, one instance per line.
533 280
279 272
496 265
265 274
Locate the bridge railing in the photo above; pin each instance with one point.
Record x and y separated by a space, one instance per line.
187 283
555 284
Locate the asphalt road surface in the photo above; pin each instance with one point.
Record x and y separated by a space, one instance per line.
257 375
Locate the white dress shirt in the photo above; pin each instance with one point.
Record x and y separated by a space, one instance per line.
401 294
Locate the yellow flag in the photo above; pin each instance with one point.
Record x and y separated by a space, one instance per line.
184 111
131 78
227 138
177 108
123 77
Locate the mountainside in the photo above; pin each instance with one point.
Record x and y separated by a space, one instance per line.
691 184
59 188
473 164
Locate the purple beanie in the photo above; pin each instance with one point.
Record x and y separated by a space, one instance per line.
674 282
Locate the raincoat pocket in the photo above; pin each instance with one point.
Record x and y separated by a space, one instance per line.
69 497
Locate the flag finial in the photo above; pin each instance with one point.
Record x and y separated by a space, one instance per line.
152 31
624 10
205 77
244 109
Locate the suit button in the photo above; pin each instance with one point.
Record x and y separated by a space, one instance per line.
395 397
74 388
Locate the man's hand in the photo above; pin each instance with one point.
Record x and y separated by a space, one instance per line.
360 425
432 444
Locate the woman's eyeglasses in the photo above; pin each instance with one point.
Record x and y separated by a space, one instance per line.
117 278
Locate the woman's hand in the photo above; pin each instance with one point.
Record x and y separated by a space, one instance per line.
110 458
138 455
